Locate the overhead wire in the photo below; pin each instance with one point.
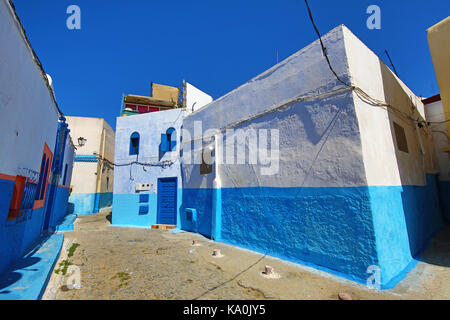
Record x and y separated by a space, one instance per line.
360 92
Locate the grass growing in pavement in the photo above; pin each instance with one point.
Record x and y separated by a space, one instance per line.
72 249
63 265
123 277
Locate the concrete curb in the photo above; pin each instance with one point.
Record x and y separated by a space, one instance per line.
28 277
66 224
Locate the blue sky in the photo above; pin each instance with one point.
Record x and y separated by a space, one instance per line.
215 45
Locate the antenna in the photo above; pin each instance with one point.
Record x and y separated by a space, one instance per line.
393 67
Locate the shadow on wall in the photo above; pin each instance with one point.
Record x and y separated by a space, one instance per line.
70 208
419 210
197 194
277 215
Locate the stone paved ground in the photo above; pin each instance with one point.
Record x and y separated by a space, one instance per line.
126 263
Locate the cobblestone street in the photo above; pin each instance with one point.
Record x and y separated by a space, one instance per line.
126 263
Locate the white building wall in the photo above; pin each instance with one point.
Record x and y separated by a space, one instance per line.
435 113
384 164
23 115
195 98
84 173
314 146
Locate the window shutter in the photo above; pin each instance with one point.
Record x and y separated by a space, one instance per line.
164 142
173 141
134 143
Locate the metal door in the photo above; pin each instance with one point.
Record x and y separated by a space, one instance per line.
167 201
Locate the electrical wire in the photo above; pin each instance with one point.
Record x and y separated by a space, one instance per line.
163 164
439 122
324 50
361 93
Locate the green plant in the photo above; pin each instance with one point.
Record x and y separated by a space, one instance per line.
63 265
72 249
123 276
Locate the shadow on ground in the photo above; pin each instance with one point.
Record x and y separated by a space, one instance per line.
11 275
438 251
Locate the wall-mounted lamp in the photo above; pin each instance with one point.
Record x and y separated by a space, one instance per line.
81 142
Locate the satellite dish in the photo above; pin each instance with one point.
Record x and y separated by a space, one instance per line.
50 80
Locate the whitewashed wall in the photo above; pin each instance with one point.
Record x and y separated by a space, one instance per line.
319 136
435 113
195 98
84 178
384 164
33 114
150 126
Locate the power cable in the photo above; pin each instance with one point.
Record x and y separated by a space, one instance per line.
361 93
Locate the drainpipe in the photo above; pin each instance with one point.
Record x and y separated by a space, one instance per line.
217 193
422 151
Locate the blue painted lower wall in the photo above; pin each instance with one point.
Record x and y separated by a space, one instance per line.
126 210
201 200
315 226
60 206
88 203
444 194
16 236
340 230
405 219
106 199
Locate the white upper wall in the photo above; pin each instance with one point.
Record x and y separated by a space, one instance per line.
195 98
100 139
92 130
149 126
29 114
435 113
304 73
385 165
319 142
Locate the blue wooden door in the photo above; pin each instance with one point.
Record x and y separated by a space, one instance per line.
167 201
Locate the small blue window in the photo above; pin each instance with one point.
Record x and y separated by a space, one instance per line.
169 140
134 143
143 209
143 198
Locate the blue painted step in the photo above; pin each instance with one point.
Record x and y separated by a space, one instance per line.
66 223
28 277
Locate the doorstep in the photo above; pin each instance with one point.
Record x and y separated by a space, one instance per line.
164 226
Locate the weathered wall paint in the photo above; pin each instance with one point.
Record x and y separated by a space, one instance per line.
405 218
384 164
63 189
328 204
195 98
24 85
150 126
439 43
92 182
435 113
